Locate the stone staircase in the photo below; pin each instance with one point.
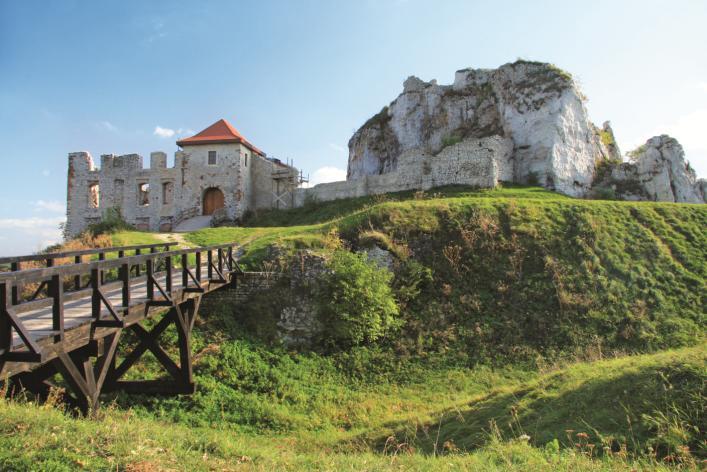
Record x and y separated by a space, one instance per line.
194 223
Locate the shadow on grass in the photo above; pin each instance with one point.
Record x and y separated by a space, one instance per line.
610 409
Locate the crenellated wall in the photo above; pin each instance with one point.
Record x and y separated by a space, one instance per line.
173 193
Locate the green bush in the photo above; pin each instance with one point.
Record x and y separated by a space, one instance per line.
111 222
355 301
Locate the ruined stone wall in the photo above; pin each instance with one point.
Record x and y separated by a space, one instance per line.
81 174
246 285
159 197
475 162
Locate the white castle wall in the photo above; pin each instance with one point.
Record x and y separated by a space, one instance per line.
476 162
244 178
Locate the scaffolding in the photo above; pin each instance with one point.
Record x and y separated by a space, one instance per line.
285 179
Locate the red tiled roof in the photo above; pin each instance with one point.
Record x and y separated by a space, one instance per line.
220 132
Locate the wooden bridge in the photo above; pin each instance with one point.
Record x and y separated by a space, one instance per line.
68 319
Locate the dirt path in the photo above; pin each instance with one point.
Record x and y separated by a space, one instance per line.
174 238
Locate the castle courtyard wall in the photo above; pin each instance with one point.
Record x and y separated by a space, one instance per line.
475 162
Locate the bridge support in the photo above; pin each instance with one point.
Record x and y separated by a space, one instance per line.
183 317
87 378
83 376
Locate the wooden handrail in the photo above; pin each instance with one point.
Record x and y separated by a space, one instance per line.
82 252
39 274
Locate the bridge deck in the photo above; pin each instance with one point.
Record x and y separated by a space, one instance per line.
78 312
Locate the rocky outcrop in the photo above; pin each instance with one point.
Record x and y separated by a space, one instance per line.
536 106
657 171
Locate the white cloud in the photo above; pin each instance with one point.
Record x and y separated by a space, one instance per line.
702 86
53 206
163 132
327 174
32 223
28 235
338 148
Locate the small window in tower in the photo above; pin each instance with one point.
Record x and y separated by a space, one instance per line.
167 191
143 194
94 195
212 158
246 159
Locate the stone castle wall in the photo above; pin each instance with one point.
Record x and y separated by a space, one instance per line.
159 197
246 285
475 162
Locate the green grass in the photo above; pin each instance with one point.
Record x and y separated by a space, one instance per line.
535 272
134 238
486 372
439 422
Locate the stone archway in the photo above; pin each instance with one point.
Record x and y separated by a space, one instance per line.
213 200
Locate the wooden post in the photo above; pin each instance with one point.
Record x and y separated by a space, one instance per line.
14 267
102 257
95 296
137 268
168 275
77 277
150 279
185 276
57 293
125 278
184 341
5 326
198 266
210 264
220 260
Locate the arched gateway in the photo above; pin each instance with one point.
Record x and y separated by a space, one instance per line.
213 200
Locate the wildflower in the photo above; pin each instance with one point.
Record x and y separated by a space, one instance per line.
524 437
582 435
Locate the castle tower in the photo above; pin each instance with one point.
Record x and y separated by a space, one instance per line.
217 167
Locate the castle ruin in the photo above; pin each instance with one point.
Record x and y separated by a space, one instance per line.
217 173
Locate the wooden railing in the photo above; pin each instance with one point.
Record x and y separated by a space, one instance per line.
157 281
49 259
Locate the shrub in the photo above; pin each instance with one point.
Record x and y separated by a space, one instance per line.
605 193
355 301
451 140
111 222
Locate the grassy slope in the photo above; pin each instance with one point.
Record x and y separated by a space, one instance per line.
33 437
562 273
134 238
626 276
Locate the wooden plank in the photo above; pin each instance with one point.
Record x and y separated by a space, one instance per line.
81 252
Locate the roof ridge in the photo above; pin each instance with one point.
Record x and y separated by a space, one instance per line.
220 132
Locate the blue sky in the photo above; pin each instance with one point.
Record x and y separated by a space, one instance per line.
299 77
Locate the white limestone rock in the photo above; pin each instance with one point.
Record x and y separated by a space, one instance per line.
658 172
535 105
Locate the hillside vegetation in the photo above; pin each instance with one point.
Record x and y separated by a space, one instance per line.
530 331
516 273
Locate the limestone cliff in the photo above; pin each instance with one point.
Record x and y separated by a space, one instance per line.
536 106
656 171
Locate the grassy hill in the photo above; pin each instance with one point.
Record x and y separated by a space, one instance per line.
536 332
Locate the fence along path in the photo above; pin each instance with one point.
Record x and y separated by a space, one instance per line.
71 323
